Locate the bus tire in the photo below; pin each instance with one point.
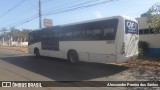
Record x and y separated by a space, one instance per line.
73 57
36 52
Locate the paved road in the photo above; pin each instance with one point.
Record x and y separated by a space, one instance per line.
18 66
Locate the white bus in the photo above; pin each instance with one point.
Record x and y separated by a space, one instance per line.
112 40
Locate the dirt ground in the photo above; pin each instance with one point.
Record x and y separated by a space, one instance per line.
142 69
21 49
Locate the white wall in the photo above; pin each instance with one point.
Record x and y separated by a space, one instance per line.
152 39
19 44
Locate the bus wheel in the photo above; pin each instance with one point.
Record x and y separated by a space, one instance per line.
36 52
73 57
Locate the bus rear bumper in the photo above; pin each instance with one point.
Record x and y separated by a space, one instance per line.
132 57
121 59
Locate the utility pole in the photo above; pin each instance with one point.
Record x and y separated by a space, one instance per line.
40 15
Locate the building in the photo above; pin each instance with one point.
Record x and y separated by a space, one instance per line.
146 34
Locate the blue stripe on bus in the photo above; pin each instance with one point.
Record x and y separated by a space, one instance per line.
153 52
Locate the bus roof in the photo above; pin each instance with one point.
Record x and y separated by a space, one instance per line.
105 18
88 21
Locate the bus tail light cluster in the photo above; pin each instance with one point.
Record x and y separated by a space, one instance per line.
123 49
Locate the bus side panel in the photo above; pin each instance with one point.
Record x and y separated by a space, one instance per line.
53 53
83 56
100 47
91 51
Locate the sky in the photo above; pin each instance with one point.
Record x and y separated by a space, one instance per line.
19 13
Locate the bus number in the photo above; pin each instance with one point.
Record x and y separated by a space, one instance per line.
110 42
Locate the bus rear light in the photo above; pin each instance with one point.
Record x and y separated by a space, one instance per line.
123 52
123 49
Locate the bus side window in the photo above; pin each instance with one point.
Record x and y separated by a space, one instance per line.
44 36
108 34
61 34
31 38
50 36
68 34
56 34
96 34
76 33
83 32
88 34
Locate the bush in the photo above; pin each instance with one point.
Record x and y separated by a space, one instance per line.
143 47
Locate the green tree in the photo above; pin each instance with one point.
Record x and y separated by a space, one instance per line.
4 33
25 33
14 33
153 17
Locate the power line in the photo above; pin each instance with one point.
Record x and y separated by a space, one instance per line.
57 12
80 7
11 9
32 5
19 23
29 18
23 21
65 4
26 21
46 1
68 3
39 11
87 2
